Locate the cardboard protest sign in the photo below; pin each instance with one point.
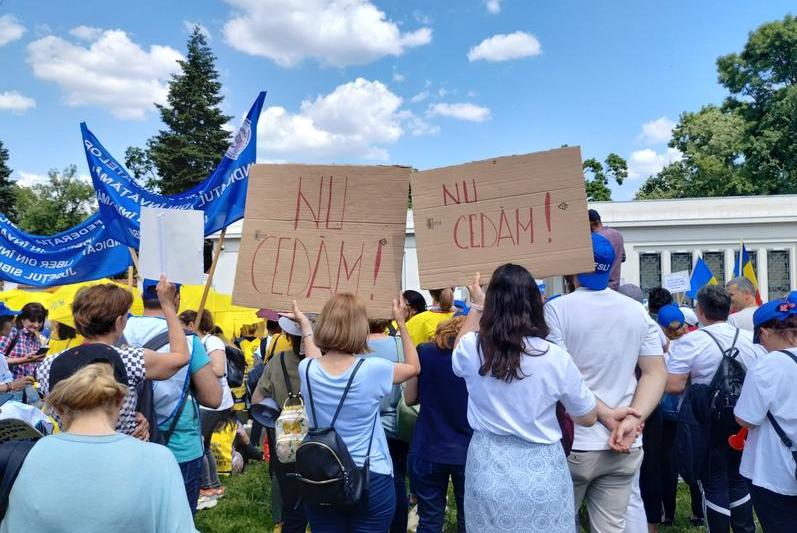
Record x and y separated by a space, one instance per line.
172 243
677 282
526 209
311 231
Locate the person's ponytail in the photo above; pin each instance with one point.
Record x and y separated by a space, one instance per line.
444 298
92 387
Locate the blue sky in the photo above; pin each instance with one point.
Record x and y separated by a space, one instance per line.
417 82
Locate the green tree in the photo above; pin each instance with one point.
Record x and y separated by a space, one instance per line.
749 144
140 165
597 185
63 202
7 187
194 141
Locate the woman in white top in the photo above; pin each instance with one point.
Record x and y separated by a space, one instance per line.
211 419
516 475
769 394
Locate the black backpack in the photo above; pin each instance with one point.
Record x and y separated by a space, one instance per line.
726 386
236 366
325 470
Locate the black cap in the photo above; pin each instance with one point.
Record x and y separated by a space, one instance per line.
69 362
594 216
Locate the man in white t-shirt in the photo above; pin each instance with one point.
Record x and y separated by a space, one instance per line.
743 303
609 336
695 358
769 394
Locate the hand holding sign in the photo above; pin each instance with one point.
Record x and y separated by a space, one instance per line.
167 294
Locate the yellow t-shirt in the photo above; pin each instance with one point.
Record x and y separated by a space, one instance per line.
221 443
423 326
283 344
58 345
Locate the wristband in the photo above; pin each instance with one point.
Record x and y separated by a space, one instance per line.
307 335
477 307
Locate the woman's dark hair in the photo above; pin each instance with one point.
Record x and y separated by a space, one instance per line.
657 298
33 311
513 310
296 344
273 327
205 324
65 332
378 325
786 329
415 301
444 297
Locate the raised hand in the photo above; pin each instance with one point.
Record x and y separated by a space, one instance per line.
167 294
475 288
399 310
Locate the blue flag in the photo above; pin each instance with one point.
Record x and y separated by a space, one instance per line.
82 253
222 196
701 276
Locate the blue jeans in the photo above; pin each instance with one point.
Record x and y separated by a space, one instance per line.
192 473
431 486
374 515
398 454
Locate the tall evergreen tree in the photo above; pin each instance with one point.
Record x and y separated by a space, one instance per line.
194 141
8 189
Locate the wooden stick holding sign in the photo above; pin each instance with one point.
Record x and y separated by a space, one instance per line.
211 272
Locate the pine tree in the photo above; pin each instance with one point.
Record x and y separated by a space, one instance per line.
194 141
8 188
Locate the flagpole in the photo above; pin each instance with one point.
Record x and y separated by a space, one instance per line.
741 258
134 257
129 277
211 272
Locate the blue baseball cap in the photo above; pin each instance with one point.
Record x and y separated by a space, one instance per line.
149 289
603 252
671 316
5 311
779 310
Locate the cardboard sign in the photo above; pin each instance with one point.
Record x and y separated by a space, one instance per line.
172 243
527 209
311 231
677 282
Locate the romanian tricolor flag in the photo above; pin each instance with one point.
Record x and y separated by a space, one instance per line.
701 276
743 268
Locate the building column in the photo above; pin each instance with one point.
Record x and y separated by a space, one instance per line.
666 264
729 262
792 268
763 273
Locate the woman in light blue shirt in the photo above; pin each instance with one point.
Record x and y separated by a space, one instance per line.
91 478
342 335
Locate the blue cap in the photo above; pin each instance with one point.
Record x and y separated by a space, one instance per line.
5 311
779 310
149 289
603 252
671 316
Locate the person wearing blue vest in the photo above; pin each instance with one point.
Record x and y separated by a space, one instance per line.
176 398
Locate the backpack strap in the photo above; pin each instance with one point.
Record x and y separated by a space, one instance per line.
12 343
285 375
157 342
346 391
12 456
733 351
274 345
787 442
310 392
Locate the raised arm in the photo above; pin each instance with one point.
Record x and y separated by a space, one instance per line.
310 349
411 366
477 306
165 365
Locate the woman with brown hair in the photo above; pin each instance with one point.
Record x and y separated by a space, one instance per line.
341 335
442 434
516 474
22 345
100 314
422 326
90 478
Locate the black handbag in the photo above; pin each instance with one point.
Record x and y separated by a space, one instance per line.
325 470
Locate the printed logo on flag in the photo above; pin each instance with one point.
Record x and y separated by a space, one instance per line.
241 140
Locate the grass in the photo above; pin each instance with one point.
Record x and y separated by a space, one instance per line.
246 506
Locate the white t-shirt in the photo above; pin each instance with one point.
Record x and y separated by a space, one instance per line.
211 344
743 319
769 386
606 333
698 355
525 408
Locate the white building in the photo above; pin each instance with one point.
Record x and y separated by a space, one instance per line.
661 236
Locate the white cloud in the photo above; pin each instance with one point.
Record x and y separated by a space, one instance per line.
461 111
647 162
112 72
493 6
10 29
442 92
357 120
335 32
420 97
29 179
188 26
14 101
398 77
657 131
421 18
503 47
86 33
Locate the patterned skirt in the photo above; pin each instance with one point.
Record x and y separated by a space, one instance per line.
518 486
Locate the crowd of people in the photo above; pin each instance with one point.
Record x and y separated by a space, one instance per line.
533 408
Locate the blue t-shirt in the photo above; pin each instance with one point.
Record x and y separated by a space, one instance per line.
442 433
374 380
186 441
98 484
389 349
